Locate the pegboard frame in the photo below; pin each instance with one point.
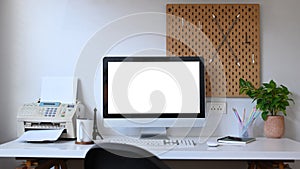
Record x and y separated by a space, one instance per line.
192 30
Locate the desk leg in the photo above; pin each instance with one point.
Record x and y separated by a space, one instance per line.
251 165
268 165
281 165
61 164
44 164
56 163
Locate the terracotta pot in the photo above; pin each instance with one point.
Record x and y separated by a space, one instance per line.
274 127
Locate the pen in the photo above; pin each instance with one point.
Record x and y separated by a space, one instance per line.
237 115
244 114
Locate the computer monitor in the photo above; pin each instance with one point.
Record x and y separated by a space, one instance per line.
153 93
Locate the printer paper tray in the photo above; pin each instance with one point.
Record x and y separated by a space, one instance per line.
41 135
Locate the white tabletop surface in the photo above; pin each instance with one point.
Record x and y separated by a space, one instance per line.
59 149
261 149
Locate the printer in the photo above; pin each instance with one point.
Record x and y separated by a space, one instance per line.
57 108
48 116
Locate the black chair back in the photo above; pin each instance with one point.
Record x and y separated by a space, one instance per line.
121 156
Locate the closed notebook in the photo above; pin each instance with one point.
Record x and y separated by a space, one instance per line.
235 140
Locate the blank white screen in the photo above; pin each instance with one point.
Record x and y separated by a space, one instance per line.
153 76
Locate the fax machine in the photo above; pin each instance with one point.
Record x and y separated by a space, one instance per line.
48 115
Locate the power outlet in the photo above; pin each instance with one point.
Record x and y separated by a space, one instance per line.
216 107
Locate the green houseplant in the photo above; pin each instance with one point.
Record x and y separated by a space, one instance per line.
270 100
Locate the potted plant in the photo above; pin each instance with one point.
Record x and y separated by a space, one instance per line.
271 100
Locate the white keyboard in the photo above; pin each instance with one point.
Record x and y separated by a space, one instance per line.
153 143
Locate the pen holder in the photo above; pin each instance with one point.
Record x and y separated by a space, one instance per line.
84 130
245 131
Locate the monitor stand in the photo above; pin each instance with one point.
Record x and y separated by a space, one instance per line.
154 133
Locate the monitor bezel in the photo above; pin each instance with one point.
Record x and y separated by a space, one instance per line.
108 59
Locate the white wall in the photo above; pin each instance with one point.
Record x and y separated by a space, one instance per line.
47 38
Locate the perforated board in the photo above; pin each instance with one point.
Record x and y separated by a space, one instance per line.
227 36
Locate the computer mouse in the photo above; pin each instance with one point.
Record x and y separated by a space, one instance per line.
212 143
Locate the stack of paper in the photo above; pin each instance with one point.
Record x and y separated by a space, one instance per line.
41 135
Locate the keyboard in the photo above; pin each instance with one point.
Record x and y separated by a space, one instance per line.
153 143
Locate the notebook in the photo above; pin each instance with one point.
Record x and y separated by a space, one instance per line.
235 140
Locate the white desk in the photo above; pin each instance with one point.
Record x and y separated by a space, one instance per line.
262 149
59 149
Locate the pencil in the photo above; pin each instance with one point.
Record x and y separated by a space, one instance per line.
244 114
237 115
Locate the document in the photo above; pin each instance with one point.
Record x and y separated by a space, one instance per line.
59 89
41 135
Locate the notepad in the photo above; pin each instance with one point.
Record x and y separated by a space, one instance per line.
235 140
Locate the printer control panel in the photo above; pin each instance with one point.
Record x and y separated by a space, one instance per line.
48 110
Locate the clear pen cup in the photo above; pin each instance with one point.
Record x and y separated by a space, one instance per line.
245 131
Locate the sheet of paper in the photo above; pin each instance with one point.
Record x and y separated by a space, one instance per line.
59 89
41 135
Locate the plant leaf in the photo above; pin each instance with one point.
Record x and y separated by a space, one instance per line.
272 84
284 112
264 115
242 82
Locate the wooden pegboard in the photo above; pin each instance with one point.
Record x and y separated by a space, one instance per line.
192 30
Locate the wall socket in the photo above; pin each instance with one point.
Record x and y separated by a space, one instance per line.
216 107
